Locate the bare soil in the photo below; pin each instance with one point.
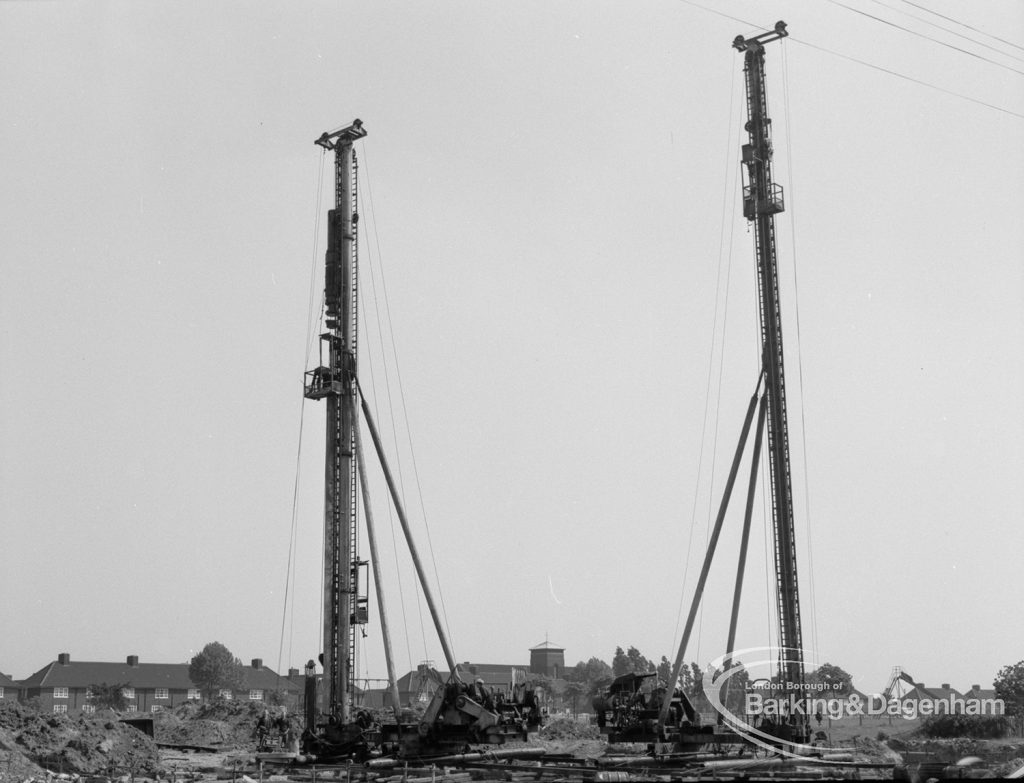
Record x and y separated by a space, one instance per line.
92 748
32 743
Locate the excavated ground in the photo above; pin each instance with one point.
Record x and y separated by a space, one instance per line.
33 744
40 747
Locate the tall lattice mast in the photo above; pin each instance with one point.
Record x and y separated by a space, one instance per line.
762 200
335 382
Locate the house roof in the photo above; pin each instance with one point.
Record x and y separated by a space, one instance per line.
266 680
934 692
411 680
980 693
7 682
82 674
493 674
944 692
546 645
173 676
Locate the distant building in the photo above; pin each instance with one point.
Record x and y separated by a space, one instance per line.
987 699
417 687
946 699
9 689
548 659
935 693
65 685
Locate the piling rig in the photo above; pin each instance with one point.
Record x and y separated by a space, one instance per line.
666 714
459 714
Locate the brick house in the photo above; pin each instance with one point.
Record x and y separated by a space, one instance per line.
416 688
986 697
64 685
9 689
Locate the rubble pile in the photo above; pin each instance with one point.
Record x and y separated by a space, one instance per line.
15 766
222 724
564 735
868 749
83 744
568 728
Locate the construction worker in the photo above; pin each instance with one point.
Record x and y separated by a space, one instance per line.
281 725
479 694
262 730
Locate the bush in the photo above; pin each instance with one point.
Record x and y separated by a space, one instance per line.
975 726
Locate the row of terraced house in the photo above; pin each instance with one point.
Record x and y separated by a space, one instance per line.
64 685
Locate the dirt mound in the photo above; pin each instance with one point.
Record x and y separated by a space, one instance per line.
223 724
15 766
83 744
563 728
867 749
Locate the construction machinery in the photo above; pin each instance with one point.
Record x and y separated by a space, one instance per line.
458 714
665 714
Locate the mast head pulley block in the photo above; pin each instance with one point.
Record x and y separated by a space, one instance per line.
742 44
347 134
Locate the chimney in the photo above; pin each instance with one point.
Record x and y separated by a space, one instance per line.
919 685
945 686
133 660
975 688
257 663
64 659
292 673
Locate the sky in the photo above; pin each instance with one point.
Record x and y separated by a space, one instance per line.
559 324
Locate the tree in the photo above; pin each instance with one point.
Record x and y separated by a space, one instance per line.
215 668
619 662
734 692
1009 685
108 697
595 675
664 670
638 663
691 680
835 681
630 662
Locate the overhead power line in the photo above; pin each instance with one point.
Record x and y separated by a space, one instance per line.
963 24
865 63
960 49
908 78
974 41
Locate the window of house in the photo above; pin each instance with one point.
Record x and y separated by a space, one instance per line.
193 693
155 708
133 708
255 695
161 693
90 708
60 693
225 694
60 709
1 693
128 693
